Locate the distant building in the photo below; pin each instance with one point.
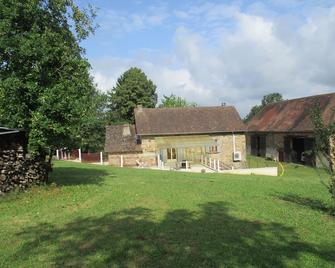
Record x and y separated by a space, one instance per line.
283 131
174 135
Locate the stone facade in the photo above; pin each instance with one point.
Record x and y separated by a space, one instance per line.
18 172
150 149
132 159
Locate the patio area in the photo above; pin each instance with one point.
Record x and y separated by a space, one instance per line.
196 168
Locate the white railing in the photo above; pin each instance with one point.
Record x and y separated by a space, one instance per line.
212 163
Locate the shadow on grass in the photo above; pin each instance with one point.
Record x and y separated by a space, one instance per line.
314 204
183 238
77 175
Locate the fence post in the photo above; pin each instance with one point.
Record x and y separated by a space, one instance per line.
79 154
101 159
121 160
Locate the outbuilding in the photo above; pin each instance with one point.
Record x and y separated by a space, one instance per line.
284 131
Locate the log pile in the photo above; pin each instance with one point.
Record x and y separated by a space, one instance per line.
18 172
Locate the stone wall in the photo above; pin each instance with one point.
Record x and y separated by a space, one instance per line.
151 149
227 149
18 172
129 159
148 145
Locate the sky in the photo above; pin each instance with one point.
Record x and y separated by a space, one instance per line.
213 52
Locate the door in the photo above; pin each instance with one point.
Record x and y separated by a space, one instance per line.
287 149
258 145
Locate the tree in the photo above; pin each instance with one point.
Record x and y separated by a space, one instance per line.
175 101
325 146
92 129
45 86
267 99
271 98
133 88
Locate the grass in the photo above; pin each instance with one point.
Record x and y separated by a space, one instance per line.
102 216
258 162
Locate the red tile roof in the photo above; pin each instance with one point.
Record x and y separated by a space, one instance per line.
292 115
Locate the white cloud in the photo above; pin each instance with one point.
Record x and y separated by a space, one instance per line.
259 54
122 22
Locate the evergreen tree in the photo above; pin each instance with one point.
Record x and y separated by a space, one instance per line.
133 88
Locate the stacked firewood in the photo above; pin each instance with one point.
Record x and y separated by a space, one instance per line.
18 172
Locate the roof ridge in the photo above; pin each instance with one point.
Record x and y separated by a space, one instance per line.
188 107
300 98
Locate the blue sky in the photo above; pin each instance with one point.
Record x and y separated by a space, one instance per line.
217 51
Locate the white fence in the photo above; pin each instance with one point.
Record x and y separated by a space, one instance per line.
218 166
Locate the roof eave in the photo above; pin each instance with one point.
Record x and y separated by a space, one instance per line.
191 133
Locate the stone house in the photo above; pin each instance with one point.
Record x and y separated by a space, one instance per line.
283 131
169 136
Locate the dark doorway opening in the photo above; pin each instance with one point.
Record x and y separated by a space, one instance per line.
300 150
258 145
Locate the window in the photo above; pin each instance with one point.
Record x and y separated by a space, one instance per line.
171 153
212 149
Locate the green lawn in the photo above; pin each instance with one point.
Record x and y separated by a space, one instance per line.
103 216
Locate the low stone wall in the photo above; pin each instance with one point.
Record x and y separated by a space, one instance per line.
18 172
129 160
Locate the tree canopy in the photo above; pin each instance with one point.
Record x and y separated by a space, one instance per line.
45 86
267 99
175 101
133 88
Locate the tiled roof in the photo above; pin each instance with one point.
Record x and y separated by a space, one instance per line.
121 139
293 115
187 120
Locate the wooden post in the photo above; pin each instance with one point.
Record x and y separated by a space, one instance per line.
101 159
121 160
79 153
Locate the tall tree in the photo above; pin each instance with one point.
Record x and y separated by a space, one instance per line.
325 146
45 86
175 101
133 88
92 130
267 99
